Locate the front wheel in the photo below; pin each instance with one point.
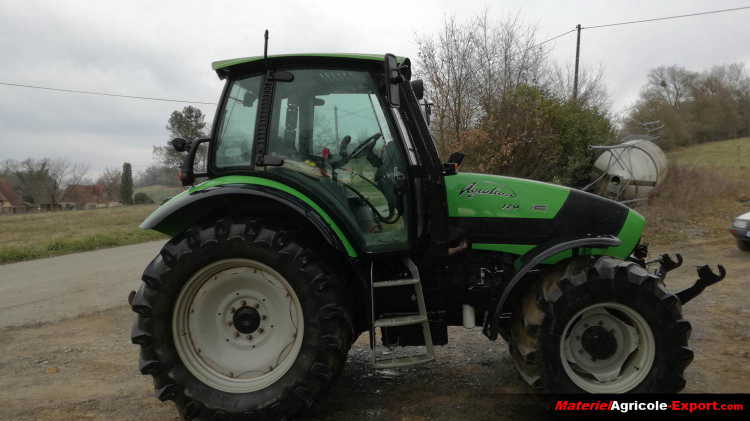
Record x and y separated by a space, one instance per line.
239 320
606 327
743 245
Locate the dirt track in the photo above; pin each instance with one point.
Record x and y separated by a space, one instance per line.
84 368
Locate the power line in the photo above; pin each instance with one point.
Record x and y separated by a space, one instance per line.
579 28
555 37
76 91
187 101
710 12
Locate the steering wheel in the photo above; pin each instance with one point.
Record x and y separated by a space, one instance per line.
365 145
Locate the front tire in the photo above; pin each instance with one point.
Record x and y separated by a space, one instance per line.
606 327
241 321
743 245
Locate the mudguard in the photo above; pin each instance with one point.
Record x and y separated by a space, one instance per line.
185 209
541 254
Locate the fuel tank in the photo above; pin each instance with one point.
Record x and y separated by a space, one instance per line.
516 214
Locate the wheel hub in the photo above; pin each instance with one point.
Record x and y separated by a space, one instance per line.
238 325
607 348
246 320
599 342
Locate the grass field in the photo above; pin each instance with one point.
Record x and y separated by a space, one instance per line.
727 155
159 193
707 186
36 235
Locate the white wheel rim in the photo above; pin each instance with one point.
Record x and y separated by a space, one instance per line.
619 371
214 349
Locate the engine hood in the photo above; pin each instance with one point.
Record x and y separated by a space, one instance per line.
495 209
492 196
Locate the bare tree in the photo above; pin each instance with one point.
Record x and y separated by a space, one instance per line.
671 84
498 97
110 179
470 67
592 92
446 63
45 179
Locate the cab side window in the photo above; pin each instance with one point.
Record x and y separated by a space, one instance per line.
236 134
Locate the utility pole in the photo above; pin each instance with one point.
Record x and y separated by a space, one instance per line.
578 56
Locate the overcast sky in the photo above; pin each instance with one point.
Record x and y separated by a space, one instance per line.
165 48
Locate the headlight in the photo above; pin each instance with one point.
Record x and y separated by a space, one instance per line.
741 223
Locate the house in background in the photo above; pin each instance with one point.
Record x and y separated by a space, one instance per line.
10 203
79 197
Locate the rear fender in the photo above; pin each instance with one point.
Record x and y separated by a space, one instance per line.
194 205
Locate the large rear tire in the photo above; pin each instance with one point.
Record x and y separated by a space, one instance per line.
238 320
606 327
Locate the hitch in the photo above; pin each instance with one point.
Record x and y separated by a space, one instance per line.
666 265
706 278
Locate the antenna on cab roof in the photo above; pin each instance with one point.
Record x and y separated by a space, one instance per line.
265 50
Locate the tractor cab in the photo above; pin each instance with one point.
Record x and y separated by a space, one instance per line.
332 127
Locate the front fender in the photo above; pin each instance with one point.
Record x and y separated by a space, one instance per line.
532 259
188 207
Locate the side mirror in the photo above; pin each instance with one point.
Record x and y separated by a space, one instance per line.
417 85
187 175
454 163
456 158
427 108
392 80
180 145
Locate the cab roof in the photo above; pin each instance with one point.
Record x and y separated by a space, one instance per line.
222 67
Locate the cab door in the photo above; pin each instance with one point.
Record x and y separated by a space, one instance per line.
336 136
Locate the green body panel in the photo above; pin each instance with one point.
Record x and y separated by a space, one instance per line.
472 195
628 235
257 181
222 64
493 196
519 249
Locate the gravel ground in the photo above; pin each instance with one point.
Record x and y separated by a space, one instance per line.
85 368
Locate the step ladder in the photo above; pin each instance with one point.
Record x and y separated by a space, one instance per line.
416 319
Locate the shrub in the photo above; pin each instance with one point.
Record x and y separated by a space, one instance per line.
141 198
533 134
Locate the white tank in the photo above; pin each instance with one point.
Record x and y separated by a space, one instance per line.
629 170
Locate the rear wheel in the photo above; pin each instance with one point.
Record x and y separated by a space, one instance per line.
609 327
241 321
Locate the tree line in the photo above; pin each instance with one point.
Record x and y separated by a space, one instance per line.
47 183
43 182
693 107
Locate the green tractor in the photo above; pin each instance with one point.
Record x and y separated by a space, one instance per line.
327 213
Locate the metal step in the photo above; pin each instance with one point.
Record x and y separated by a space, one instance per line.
395 283
403 361
401 321
416 319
